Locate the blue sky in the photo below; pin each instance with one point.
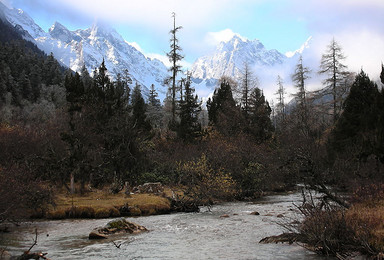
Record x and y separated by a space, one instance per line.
279 24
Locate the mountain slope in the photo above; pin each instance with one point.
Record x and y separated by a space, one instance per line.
89 47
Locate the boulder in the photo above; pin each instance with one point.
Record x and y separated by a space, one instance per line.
255 213
116 226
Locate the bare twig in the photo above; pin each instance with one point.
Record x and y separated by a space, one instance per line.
34 241
116 245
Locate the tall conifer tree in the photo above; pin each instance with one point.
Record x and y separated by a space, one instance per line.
174 57
332 66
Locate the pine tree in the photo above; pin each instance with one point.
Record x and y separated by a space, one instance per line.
51 71
87 80
75 91
97 95
139 110
154 113
189 127
248 84
260 122
223 113
299 77
101 77
25 86
35 79
331 65
174 57
357 123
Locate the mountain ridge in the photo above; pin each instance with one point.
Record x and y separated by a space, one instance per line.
90 46
230 56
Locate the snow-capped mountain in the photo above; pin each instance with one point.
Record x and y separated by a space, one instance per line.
89 47
230 57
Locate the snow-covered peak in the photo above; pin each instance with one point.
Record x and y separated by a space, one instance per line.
60 32
105 31
57 27
299 51
230 56
19 17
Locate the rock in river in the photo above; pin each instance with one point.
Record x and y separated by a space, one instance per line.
116 226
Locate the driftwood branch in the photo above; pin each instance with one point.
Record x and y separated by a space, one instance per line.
28 255
34 242
116 245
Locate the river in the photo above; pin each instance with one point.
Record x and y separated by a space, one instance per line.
203 235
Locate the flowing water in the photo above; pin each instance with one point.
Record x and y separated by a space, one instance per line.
203 235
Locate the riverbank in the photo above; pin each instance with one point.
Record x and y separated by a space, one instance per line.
346 232
103 204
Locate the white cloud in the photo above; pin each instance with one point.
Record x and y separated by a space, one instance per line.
364 50
306 45
136 46
153 12
214 38
163 58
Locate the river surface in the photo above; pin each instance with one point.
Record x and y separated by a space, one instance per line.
203 235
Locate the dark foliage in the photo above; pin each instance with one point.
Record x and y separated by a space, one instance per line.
223 112
189 127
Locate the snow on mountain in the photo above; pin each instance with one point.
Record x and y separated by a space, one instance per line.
19 17
299 51
89 47
230 57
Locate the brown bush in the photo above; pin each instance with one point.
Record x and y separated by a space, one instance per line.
367 222
56 214
80 212
21 194
102 213
326 230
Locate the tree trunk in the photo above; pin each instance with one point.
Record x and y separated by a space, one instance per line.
72 183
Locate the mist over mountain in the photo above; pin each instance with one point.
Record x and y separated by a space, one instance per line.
90 46
230 57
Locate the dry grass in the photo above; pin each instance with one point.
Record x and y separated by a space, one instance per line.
367 221
100 204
